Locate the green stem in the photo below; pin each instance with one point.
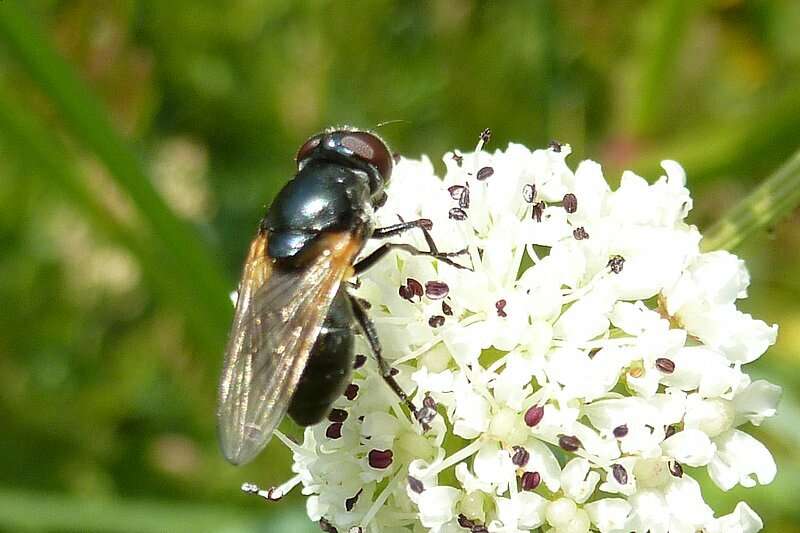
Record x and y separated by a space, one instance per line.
763 207
84 117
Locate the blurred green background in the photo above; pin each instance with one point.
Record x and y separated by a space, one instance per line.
141 140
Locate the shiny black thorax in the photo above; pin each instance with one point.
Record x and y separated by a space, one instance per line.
324 197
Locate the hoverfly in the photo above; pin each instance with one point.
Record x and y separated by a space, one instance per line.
291 345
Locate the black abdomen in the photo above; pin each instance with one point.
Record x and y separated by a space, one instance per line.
327 372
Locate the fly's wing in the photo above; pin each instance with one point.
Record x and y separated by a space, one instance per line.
278 316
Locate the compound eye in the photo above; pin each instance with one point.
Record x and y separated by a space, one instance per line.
309 146
371 149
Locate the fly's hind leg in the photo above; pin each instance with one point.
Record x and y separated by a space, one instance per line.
424 415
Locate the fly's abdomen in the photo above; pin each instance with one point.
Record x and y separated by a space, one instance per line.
330 363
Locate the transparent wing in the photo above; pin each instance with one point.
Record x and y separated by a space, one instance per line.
278 316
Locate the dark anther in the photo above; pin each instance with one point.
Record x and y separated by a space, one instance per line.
621 431
531 480
425 223
615 263
620 474
446 309
520 456
570 203
471 525
580 233
534 415
675 469
429 402
351 392
500 306
435 321
349 503
463 200
669 431
651 428
465 522
554 146
415 287
457 213
436 290
405 293
485 173
667 366
456 191
486 135
361 359
337 415
593 352
457 158
380 458
529 193
393 372
425 416
326 526
537 211
569 443
415 485
334 431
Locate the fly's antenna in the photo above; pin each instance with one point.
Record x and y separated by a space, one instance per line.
390 122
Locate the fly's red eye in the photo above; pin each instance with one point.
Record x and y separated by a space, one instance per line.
371 149
308 147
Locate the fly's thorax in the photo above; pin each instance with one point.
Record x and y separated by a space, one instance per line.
323 198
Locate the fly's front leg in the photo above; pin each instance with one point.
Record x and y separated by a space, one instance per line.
395 229
425 224
424 415
384 249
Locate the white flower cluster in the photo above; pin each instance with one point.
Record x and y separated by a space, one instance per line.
586 365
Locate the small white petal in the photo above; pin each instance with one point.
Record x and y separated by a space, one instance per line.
683 496
757 402
437 506
740 457
578 481
543 461
691 447
608 514
742 520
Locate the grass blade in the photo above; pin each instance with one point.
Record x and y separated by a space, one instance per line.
85 118
31 142
763 207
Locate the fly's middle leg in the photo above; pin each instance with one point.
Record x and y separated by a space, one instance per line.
423 415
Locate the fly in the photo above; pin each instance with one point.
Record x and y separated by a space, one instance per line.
291 345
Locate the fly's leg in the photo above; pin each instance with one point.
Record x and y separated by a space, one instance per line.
384 249
424 415
396 229
402 227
